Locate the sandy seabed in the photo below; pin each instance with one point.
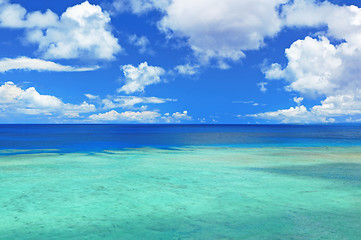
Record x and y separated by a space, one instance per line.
183 193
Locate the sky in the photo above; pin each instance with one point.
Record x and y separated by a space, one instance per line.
180 61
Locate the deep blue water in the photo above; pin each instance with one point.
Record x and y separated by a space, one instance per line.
74 138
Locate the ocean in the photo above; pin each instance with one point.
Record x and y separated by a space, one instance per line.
180 182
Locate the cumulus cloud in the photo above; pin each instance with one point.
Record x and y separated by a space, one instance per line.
274 71
140 116
176 117
18 101
333 108
137 78
29 64
339 105
181 116
326 67
30 102
15 16
340 20
315 67
291 115
128 116
129 102
298 100
222 31
319 67
81 31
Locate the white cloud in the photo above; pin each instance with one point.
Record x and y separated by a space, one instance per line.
181 116
108 116
187 69
9 92
17 101
13 99
129 102
81 31
298 114
137 78
343 22
142 42
274 71
28 64
128 116
262 86
140 116
315 67
319 67
176 117
333 108
91 96
339 105
307 13
298 100
222 31
15 16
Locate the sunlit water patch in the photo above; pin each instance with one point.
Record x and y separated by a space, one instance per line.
183 193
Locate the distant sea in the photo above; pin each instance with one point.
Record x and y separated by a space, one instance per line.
180 182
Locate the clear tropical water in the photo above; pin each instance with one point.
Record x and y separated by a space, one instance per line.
180 182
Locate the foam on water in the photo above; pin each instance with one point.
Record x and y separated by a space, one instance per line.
184 193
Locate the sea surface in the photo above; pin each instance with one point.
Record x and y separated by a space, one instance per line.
180 182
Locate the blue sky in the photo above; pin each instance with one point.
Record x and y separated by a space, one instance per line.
180 61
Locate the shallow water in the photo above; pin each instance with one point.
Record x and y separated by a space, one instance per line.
182 193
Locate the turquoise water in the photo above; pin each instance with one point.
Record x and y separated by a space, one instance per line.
195 192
